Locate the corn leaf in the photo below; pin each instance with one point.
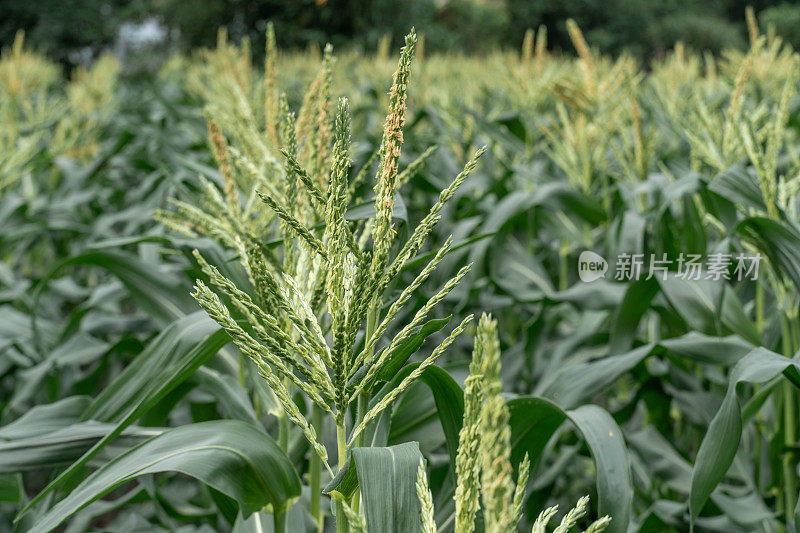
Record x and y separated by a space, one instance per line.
387 479
233 457
721 442
168 360
533 422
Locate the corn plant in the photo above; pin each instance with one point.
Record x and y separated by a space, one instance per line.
484 470
311 301
38 118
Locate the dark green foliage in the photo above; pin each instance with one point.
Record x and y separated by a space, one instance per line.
68 30
785 18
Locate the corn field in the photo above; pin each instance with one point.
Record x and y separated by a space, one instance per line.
398 292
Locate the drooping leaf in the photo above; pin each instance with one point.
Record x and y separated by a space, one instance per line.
738 185
778 241
226 390
709 306
233 457
721 441
578 383
163 294
47 418
63 446
168 360
533 422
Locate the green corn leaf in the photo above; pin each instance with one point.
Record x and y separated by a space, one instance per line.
422 259
387 479
403 351
63 446
778 241
574 384
738 185
232 398
600 294
447 394
366 210
168 360
407 348
533 422
721 441
12 489
44 419
298 520
711 307
629 313
163 294
233 457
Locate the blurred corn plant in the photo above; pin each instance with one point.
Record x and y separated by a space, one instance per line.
39 117
51 128
91 95
711 172
26 79
589 116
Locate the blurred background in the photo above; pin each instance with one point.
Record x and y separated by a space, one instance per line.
76 31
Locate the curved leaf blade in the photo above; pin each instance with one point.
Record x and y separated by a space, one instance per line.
721 441
168 360
233 457
534 420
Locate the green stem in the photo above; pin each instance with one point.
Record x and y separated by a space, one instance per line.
757 445
315 472
563 268
363 406
361 412
606 194
241 375
283 426
759 430
373 314
757 451
242 378
280 520
653 328
790 487
760 309
789 428
363 399
342 525
283 432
